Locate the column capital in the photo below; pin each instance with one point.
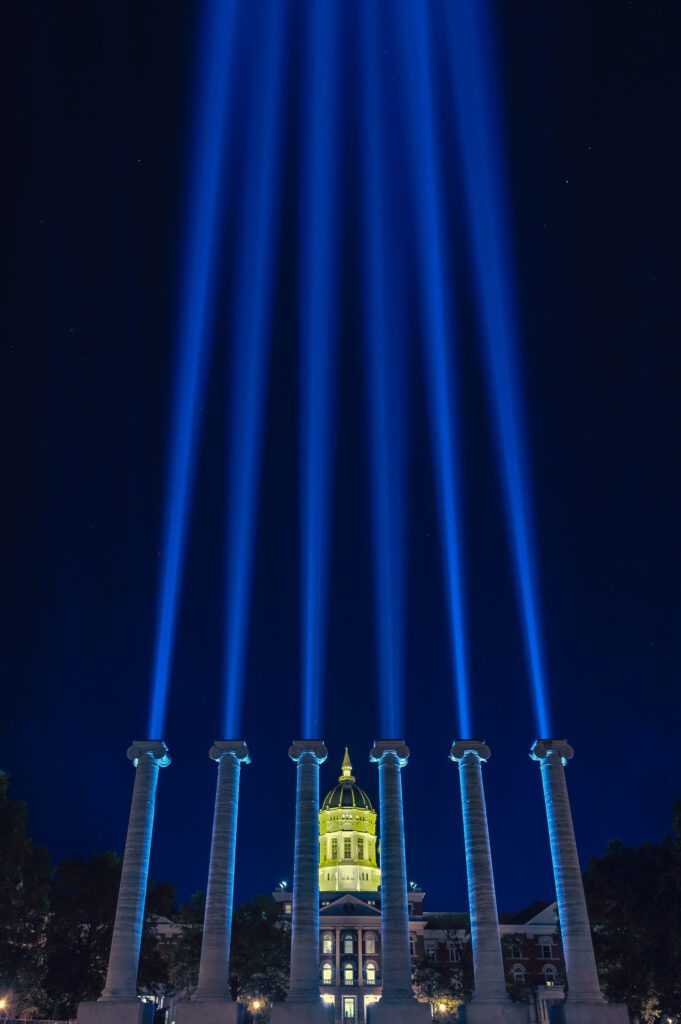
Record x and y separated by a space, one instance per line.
546 751
307 751
390 750
155 750
236 749
477 748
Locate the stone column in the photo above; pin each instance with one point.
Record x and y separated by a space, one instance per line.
213 998
118 1002
304 1002
490 1001
397 1004
585 1001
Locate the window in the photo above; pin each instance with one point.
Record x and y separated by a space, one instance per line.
549 975
546 950
334 849
347 848
327 944
348 974
287 908
518 974
371 973
516 951
348 944
412 946
453 952
327 973
360 848
431 950
370 943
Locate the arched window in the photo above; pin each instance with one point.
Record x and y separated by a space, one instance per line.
327 973
348 974
327 943
519 973
371 973
549 975
348 943
370 943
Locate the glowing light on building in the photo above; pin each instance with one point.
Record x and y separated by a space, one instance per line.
197 298
481 131
386 392
318 280
438 333
250 344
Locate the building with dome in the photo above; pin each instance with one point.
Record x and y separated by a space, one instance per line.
350 918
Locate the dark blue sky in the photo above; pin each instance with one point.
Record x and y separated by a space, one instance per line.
95 178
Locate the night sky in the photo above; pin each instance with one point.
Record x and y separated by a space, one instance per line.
95 165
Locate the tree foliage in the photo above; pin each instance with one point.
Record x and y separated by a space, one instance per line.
634 898
260 953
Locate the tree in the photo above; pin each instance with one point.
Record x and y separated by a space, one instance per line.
260 952
24 881
634 899
83 897
182 954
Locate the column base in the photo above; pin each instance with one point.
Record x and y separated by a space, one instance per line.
133 1012
589 1013
407 1012
494 1013
302 1013
208 1011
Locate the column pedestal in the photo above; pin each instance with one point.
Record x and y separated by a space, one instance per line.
208 1011
397 1004
133 1012
585 1003
304 1004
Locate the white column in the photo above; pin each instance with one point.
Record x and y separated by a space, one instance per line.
488 962
580 963
121 979
397 1003
217 926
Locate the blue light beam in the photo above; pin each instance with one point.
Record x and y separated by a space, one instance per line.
318 282
472 65
438 335
386 392
197 301
259 233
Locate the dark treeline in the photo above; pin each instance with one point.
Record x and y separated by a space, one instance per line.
56 923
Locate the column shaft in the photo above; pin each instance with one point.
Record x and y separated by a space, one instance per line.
580 962
121 978
217 926
305 923
396 962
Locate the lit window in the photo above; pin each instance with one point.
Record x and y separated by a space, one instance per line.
287 908
327 944
370 944
549 975
327 973
519 974
348 944
371 974
334 849
347 849
360 848
349 974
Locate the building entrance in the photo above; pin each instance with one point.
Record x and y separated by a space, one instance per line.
349 1010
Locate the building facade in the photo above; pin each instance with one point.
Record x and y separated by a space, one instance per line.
350 920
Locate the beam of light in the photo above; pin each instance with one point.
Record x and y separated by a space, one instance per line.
386 392
318 236
438 333
472 65
250 348
197 301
